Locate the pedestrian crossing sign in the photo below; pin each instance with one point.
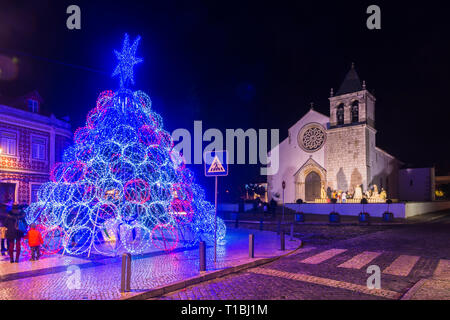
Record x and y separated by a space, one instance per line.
216 163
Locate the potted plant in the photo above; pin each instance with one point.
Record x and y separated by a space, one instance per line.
364 216
334 216
299 217
388 216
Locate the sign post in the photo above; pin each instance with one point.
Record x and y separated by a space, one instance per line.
216 165
283 185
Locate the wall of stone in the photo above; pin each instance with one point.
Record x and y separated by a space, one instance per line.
345 157
366 107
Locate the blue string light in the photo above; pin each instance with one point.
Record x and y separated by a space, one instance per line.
121 185
127 59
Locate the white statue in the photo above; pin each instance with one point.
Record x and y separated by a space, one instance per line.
375 194
323 194
358 192
383 194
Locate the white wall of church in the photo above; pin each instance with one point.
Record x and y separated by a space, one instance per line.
383 168
292 158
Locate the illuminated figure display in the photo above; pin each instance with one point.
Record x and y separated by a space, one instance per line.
122 186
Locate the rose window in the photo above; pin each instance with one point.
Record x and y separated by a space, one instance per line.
311 138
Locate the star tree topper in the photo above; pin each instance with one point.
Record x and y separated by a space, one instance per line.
127 59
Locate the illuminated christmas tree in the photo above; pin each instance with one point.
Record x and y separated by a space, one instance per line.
121 185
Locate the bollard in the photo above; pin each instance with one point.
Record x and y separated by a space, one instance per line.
202 255
388 216
261 224
292 232
282 240
125 279
251 245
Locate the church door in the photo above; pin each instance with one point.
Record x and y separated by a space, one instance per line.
312 186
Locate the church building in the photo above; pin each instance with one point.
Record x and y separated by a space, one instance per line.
335 152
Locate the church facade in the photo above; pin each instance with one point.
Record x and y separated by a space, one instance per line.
336 152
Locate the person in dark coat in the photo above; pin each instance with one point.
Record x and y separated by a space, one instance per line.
13 234
273 206
3 229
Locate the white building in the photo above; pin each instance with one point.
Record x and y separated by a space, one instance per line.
336 152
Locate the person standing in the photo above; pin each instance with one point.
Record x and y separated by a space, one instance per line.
34 241
13 232
3 238
344 197
3 230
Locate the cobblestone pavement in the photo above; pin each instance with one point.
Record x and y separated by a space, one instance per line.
51 277
331 269
338 270
322 234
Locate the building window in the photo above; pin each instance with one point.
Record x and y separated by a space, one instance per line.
33 105
8 143
355 111
340 114
34 192
38 149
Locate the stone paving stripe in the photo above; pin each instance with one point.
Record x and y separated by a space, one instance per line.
402 266
323 256
328 282
442 269
303 250
360 260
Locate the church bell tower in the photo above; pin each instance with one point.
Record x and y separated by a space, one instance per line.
350 134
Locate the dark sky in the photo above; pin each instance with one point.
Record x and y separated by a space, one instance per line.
243 64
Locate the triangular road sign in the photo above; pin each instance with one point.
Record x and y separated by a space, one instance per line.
216 166
216 163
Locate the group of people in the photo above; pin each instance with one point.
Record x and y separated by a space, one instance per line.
13 228
357 193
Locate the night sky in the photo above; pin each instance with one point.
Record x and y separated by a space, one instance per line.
243 65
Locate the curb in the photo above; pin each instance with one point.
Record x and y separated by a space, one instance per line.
412 291
204 276
322 223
